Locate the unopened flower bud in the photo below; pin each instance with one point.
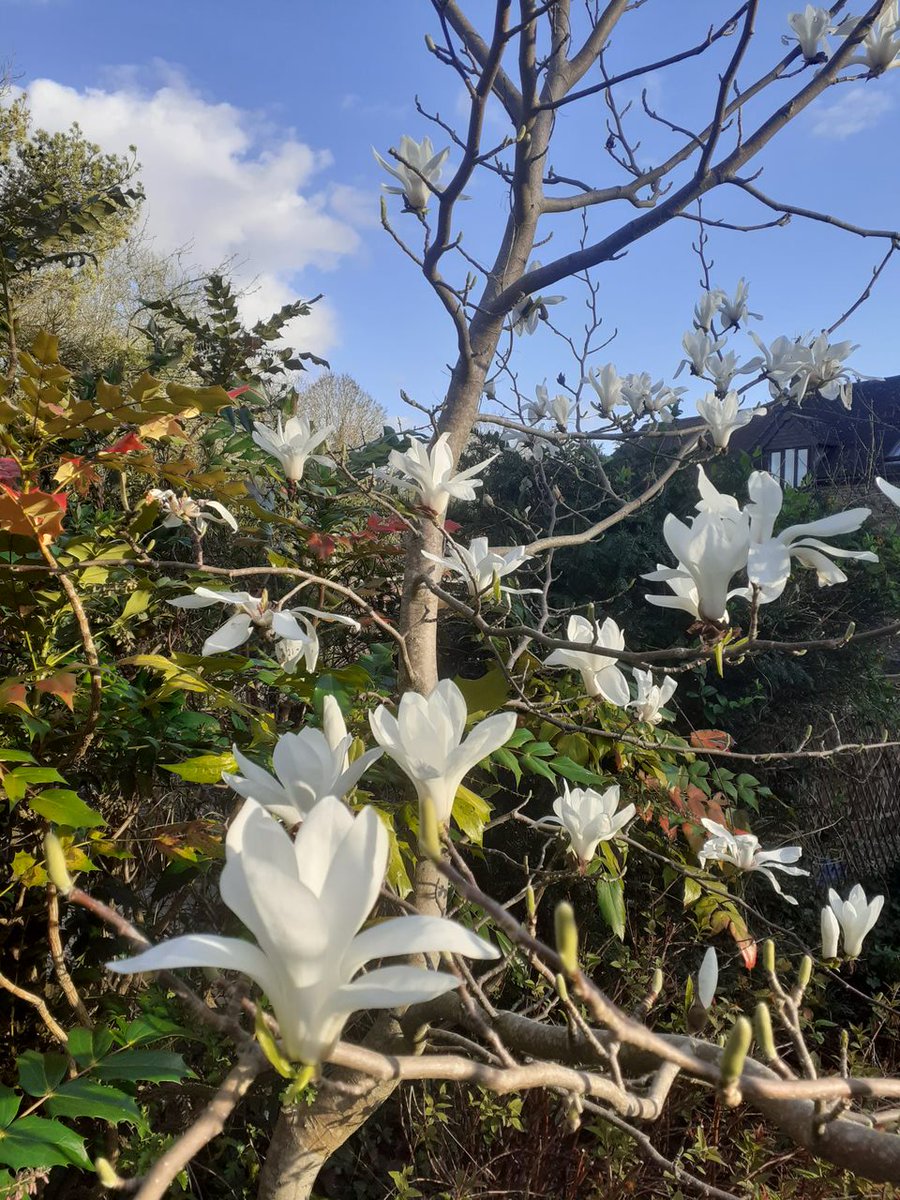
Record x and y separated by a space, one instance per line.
804 972
530 902
57 869
762 1029
563 988
734 1056
566 937
769 956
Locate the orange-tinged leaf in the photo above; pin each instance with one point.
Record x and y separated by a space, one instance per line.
126 445
32 514
14 692
62 685
711 739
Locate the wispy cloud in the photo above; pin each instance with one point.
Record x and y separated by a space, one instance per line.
852 111
223 181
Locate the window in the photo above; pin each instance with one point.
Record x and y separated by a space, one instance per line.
790 467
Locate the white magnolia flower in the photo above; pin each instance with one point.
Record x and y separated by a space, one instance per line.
531 309
822 370
426 742
305 902
742 851
662 397
256 612
419 172
853 917
881 45
561 410
536 410
698 347
721 369
685 595
599 672
707 308
292 443
708 977
640 391
589 818
431 473
733 309
890 490
307 766
779 362
723 416
770 554
810 28
479 565
712 549
530 446
335 729
651 698
608 388
185 510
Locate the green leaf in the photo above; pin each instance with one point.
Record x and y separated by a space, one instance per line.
137 602
65 807
611 902
36 1142
505 759
572 771
519 738
39 775
9 755
88 1046
87 1098
152 1066
152 1026
9 1105
534 766
40 1073
484 695
205 768
471 814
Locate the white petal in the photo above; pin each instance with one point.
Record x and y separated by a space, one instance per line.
415 935
201 950
233 633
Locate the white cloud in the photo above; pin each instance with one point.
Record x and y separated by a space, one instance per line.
223 182
854 110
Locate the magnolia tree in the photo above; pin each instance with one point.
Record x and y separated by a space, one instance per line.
369 946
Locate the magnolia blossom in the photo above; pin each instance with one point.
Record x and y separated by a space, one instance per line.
742 850
721 369
810 28
479 565
643 395
881 45
779 362
185 510
723 416
712 549
890 490
600 673
589 818
698 347
255 611
305 902
292 443
426 742
608 388
822 370
536 410
308 766
662 397
770 554
531 309
431 472
651 698
733 309
707 308
685 596
419 172
708 977
561 410
852 918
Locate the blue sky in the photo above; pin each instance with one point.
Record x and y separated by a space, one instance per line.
256 127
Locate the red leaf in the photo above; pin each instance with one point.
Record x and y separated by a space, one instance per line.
13 692
32 514
711 739
322 545
62 685
452 527
376 524
9 470
239 391
126 445
747 947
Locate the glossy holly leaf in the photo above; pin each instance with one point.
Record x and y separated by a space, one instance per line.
39 1074
37 1142
150 1066
65 807
87 1098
